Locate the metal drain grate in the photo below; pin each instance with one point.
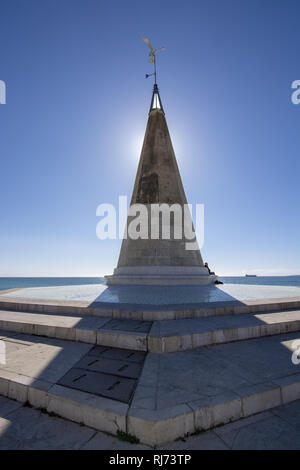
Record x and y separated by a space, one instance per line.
108 372
131 370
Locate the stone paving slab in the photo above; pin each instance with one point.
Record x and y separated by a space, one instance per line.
203 441
26 428
41 358
265 433
103 441
8 406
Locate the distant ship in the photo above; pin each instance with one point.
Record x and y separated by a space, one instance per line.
250 275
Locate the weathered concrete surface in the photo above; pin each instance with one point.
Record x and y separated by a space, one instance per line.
158 181
157 260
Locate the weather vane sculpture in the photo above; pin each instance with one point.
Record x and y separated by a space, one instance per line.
152 57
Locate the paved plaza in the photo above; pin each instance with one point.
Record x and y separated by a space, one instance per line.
155 295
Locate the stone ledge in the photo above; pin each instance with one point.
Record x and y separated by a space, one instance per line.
160 280
163 337
193 334
147 312
41 325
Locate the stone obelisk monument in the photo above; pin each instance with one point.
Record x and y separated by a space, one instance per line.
159 261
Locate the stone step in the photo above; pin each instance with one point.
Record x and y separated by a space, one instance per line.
160 337
132 334
180 335
161 397
148 312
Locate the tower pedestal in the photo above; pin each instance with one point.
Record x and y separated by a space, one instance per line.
161 276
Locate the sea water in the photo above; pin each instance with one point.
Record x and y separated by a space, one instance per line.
21 282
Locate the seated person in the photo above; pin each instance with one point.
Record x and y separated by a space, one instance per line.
211 272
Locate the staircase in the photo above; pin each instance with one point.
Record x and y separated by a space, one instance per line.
155 379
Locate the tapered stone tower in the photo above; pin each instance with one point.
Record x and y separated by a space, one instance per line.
159 261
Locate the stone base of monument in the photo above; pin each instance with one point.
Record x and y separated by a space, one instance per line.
155 380
161 276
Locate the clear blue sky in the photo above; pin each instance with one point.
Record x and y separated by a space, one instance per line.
76 112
